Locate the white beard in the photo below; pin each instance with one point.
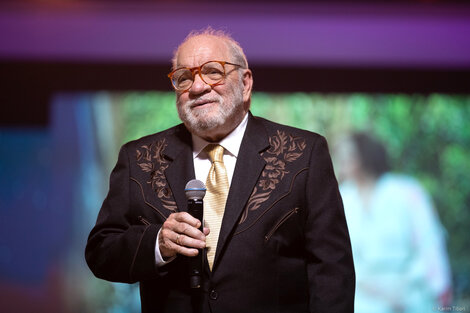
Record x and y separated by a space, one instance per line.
200 121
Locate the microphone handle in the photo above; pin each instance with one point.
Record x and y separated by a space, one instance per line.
195 208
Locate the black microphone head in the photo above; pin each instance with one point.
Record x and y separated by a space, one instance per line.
195 189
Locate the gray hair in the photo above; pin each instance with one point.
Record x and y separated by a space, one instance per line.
235 49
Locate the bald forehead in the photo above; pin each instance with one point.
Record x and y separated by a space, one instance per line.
199 49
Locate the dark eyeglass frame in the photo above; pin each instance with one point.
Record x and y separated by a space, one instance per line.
198 69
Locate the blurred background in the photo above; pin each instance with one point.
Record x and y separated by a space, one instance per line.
387 83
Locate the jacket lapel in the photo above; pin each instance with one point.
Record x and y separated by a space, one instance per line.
249 166
181 168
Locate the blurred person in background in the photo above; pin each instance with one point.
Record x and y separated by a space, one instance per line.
398 241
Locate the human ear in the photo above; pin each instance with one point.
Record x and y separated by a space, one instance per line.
247 80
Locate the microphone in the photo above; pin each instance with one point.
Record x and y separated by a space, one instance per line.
195 190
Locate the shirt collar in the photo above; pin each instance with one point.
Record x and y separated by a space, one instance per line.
231 142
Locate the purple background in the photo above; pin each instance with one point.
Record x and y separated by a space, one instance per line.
366 35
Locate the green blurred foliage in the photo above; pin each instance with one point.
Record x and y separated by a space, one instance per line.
142 114
427 136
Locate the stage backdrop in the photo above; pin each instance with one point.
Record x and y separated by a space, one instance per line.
51 210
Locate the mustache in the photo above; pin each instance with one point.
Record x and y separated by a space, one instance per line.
202 100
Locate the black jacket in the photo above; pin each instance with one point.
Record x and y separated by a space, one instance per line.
283 246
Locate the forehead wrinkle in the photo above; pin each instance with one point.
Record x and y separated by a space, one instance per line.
194 60
194 53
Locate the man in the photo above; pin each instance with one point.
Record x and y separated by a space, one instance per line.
276 238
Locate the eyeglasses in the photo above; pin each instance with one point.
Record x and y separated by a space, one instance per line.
212 73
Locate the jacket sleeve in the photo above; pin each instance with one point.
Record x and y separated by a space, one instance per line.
118 248
329 258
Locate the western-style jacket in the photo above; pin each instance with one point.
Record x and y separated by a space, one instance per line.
283 245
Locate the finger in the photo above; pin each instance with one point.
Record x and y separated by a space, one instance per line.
185 217
181 217
183 250
188 230
187 251
179 222
169 238
206 231
171 243
189 242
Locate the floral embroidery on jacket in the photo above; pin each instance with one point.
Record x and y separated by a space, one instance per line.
284 149
150 159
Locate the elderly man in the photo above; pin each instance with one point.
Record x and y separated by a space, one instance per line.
275 238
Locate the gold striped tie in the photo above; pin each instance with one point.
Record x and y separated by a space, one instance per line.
216 196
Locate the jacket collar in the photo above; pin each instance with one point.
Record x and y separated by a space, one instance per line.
249 166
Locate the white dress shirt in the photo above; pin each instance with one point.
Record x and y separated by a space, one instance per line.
202 163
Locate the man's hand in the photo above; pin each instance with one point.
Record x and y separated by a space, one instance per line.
180 234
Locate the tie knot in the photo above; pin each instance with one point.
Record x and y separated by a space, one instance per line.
216 152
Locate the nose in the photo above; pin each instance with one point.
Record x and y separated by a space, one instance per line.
198 86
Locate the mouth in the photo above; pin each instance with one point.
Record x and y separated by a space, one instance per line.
202 102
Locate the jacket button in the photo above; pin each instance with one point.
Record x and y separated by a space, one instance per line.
213 295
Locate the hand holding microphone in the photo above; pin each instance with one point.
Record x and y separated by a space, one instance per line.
181 233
